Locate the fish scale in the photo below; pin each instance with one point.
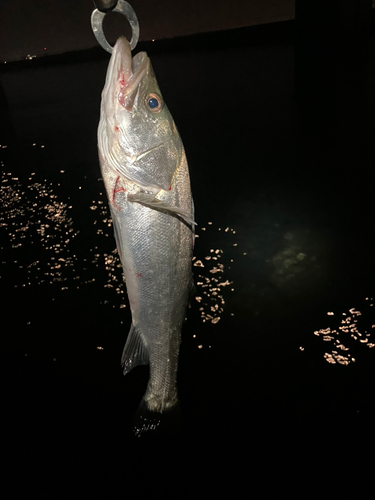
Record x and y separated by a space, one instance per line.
158 284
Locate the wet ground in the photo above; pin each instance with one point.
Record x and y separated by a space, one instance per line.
277 360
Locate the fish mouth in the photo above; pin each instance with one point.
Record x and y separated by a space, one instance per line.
125 74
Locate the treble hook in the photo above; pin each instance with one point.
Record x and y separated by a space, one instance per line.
121 7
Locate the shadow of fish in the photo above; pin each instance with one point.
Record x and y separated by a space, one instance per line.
146 175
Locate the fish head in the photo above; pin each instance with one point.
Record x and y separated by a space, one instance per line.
137 135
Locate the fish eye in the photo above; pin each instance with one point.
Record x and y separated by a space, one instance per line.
154 103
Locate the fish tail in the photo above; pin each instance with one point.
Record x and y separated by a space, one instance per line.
153 424
135 352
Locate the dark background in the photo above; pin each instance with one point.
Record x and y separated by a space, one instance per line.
277 121
51 27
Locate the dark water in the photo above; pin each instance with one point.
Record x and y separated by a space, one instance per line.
277 360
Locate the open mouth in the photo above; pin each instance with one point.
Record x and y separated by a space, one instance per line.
126 72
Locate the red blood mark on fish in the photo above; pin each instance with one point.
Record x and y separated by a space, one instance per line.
122 96
116 190
139 275
170 187
116 128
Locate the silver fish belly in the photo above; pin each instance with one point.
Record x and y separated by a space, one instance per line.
145 171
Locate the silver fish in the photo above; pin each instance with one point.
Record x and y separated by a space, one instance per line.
146 175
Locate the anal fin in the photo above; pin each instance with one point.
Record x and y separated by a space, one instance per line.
135 352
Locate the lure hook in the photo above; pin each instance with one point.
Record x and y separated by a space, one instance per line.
126 10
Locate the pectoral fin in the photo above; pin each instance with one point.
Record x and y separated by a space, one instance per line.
151 201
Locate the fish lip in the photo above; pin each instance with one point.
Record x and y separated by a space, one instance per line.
126 71
123 56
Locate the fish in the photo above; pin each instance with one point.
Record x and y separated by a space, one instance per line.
146 176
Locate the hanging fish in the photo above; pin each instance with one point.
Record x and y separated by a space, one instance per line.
146 176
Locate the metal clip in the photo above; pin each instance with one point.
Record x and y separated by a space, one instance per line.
126 10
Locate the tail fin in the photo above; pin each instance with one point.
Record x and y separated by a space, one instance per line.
152 424
135 352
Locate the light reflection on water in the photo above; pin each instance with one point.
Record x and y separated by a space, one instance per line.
37 233
347 331
211 274
111 261
32 215
300 258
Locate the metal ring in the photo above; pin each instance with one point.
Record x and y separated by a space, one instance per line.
126 10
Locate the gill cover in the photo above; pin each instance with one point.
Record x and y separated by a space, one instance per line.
137 134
